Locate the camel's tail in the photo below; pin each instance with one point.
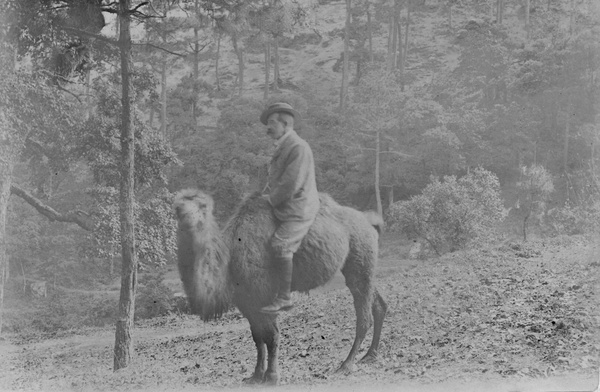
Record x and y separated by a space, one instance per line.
375 220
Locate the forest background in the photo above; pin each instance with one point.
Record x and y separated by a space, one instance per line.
392 93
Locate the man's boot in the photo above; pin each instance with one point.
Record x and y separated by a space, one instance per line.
283 301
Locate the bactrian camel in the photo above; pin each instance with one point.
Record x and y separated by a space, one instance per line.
218 268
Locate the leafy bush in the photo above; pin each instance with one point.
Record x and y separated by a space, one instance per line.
65 311
452 213
154 298
573 219
101 312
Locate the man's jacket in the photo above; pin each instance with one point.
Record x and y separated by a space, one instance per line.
293 188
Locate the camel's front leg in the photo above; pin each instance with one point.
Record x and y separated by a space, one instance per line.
272 341
261 357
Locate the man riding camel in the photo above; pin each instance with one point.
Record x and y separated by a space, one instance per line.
292 192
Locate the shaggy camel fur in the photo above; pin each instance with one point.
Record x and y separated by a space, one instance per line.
220 267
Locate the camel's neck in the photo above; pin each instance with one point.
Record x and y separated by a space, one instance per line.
204 269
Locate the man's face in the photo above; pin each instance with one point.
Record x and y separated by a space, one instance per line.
275 128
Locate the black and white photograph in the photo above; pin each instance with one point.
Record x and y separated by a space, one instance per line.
300 195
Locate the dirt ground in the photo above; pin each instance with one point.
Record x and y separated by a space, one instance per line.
512 317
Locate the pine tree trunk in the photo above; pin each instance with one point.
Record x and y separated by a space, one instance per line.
276 75
377 163
399 54
572 17
500 11
240 55
407 29
405 52
267 69
395 41
527 26
566 143
370 33
88 90
6 168
8 155
592 163
163 99
391 49
344 89
218 81
123 343
195 67
525 226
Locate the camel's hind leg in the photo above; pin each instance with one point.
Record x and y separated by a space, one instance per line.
359 280
379 309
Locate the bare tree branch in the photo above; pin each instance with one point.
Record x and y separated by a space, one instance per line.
78 217
397 153
99 37
200 49
158 47
138 6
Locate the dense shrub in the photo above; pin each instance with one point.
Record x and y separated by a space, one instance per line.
573 219
153 298
451 213
73 310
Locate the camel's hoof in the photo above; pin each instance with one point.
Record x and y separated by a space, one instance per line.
271 379
345 369
369 358
253 380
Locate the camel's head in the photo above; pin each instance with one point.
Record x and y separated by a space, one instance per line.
193 208
202 255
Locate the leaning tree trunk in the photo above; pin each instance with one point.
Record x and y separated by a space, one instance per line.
123 342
